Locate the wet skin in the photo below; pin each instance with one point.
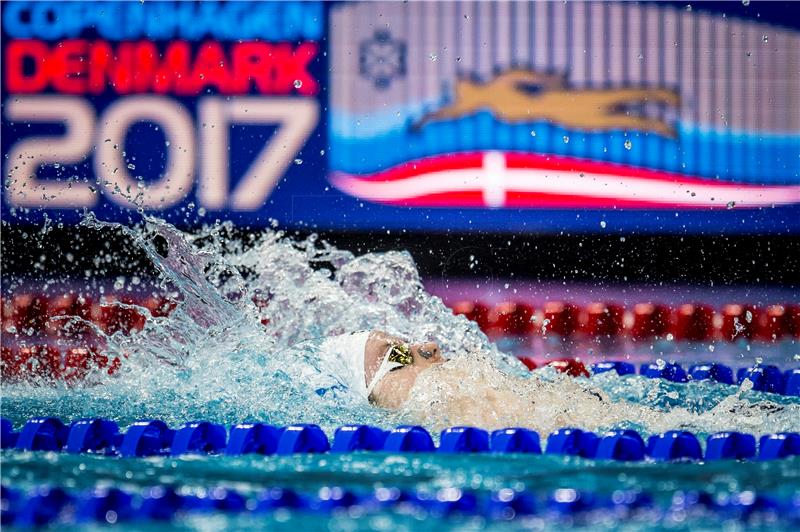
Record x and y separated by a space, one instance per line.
392 390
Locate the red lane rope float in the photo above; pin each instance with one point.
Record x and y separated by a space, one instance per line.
644 321
649 320
603 319
473 311
561 318
693 322
571 366
48 364
510 318
39 315
42 315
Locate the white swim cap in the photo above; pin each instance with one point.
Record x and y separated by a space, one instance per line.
343 356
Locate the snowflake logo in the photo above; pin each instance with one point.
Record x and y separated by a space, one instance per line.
382 59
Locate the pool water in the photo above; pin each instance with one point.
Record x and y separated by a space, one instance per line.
214 359
540 474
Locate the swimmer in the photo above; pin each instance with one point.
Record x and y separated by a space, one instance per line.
417 381
388 371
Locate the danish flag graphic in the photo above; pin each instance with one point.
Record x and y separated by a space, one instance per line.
496 179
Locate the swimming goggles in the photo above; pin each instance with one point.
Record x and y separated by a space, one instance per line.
396 357
401 354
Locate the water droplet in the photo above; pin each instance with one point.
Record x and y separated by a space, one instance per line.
765 38
628 144
298 161
533 133
298 84
745 3
603 224
432 57
730 205
131 166
566 139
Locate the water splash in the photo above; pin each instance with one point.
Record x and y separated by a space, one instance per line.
241 345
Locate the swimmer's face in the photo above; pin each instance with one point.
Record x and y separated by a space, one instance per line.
392 390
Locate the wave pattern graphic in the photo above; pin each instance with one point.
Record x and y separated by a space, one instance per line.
517 180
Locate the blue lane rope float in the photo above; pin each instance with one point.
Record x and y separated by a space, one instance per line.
199 437
624 445
765 378
358 438
92 435
463 440
516 440
572 442
674 445
304 438
730 445
252 438
622 368
712 372
791 384
408 438
669 371
49 505
151 437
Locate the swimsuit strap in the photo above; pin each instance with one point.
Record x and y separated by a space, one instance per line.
384 368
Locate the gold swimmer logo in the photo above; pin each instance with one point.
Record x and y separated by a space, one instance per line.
526 96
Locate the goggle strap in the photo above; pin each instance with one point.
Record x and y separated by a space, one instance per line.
385 367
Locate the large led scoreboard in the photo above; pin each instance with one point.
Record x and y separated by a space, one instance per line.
428 116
